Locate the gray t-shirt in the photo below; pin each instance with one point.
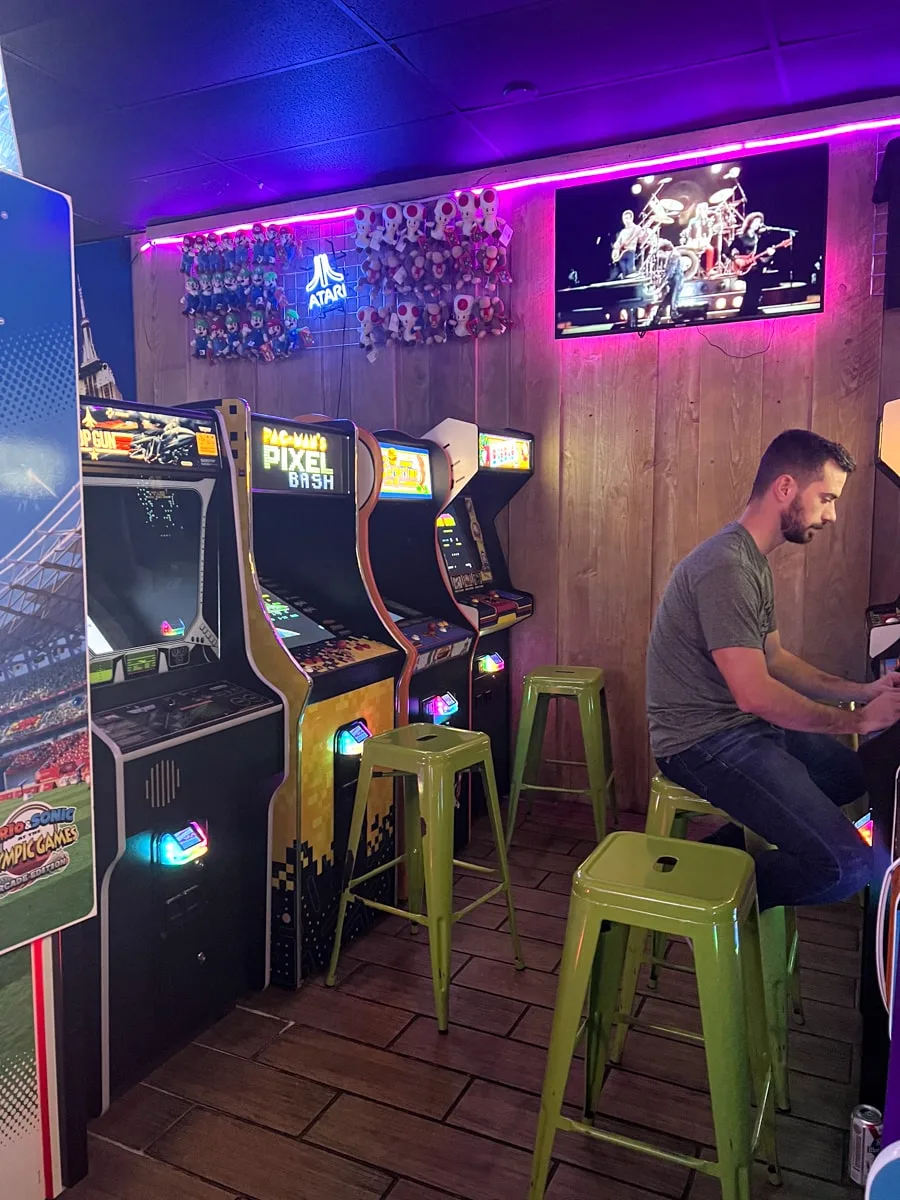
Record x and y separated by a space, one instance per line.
720 595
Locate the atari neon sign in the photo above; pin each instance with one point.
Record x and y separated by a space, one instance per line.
327 286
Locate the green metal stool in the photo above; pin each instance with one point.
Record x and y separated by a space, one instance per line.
428 759
586 685
670 810
685 889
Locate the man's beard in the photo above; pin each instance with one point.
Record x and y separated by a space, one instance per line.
793 526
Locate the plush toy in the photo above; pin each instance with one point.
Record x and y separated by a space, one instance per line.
444 212
417 265
306 337
468 214
253 344
257 292
241 249
188 254
200 342
213 253
243 286
372 270
415 219
258 249
365 221
218 340
287 246
369 320
229 284
435 323
206 297
218 292
190 301
392 214
491 317
462 265
270 289
463 321
437 269
410 323
277 339
394 272
226 249
490 222
233 333
291 329
270 246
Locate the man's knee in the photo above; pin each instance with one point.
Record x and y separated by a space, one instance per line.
857 868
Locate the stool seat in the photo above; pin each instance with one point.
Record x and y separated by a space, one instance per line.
427 758
587 687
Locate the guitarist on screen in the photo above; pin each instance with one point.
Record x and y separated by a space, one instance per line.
748 259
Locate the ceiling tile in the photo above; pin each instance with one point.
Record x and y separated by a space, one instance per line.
16 14
807 20
599 43
397 18
144 51
403 152
87 230
366 91
39 101
846 66
624 111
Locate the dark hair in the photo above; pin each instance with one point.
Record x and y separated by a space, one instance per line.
802 454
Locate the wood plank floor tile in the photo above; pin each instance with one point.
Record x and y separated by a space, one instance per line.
242 1032
811 1149
822 1100
265 1165
554 882
405 1189
834 961
510 1116
540 926
666 1058
340 1012
243 1089
833 1021
438 1155
826 933
525 899
847 912
366 1071
139 1117
534 1028
117 1174
657 1105
414 994
489 943
794 1187
403 954
570 1183
830 989
535 838
531 987
542 860
822 1057
519 876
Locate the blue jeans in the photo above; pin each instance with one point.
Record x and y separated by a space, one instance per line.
786 787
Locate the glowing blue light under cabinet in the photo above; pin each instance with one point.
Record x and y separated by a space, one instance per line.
441 708
187 845
327 287
351 739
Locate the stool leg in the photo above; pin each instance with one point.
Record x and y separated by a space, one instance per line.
775 953
761 1048
437 861
723 1012
489 784
793 941
582 932
634 960
592 737
608 770
602 1000
412 826
356 826
532 722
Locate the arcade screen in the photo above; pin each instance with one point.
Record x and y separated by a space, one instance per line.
706 245
292 626
458 547
406 472
143 549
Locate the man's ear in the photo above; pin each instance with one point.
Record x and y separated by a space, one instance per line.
785 487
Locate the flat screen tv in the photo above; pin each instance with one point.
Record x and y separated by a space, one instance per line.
724 241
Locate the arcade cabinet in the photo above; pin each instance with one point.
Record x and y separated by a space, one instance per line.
880 758
488 469
188 739
411 576
311 487
46 843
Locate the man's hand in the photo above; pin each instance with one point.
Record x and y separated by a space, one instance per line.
882 711
887 683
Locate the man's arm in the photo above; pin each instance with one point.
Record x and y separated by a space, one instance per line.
809 681
755 691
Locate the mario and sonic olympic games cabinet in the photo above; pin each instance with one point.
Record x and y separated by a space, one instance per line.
308 487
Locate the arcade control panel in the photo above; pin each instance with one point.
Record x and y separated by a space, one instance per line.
498 609
148 722
884 634
435 641
318 643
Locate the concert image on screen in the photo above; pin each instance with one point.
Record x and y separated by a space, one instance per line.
724 241
143 551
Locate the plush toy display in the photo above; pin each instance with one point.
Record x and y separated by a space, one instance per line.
420 270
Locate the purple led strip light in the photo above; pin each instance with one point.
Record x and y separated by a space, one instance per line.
620 168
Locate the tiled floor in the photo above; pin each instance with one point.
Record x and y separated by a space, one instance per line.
353 1095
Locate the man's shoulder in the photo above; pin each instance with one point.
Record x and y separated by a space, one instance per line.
727 548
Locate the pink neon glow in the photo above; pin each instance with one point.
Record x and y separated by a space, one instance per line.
632 166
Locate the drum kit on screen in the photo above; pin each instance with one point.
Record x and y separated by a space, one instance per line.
704 238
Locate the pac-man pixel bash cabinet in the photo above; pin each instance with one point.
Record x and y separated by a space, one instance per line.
308 489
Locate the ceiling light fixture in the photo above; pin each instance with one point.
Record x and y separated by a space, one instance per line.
627 167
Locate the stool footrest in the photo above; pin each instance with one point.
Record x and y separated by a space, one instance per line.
476 867
546 787
481 900
391 910
620 1139
376 871
650 1026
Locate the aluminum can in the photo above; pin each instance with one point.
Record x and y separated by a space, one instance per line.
865 1129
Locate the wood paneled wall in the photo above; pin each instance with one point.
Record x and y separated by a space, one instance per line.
644 445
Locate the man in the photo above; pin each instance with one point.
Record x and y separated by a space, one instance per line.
739 720
625 247
746 243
